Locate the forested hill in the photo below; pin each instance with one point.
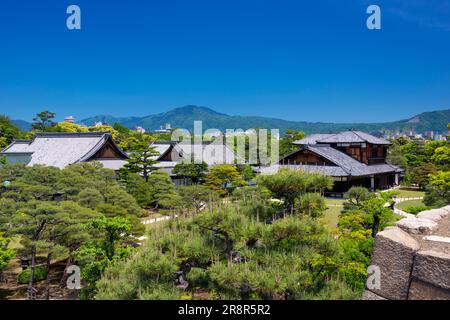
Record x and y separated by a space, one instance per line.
184 118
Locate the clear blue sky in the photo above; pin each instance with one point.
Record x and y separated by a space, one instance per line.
309 60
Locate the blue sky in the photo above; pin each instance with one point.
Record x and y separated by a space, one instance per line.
292 59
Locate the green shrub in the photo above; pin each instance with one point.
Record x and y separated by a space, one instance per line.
416 210
39 275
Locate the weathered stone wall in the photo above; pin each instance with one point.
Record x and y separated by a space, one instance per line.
413 259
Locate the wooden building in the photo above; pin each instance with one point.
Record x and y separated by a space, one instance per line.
352 158
59 150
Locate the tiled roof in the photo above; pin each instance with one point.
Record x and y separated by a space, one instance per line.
352 137
212 152
312 139
60 149
345 165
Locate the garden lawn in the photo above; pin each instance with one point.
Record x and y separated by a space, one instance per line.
331 215
410 193
410 203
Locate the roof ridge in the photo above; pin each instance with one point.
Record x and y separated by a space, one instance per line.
71 134
355 132
348 170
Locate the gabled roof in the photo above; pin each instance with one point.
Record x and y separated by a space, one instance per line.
312 139
345 165
352 136
62 149
213 152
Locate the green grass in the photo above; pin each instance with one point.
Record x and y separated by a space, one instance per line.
334 201
410 203
409 193
331 215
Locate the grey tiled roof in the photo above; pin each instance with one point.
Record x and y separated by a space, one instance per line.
345 165
212 152
348 164
60 149
352 137
332 171
312 139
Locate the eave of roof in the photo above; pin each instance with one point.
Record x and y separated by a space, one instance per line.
347 164
84 155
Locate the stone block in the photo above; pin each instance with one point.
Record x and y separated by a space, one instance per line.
433 267
420 290
369 295
393 253
417 225
434 215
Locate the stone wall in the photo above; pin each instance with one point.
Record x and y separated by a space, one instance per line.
412 259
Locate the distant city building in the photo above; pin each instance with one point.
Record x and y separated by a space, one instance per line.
69 119
140 130
167 129
429 134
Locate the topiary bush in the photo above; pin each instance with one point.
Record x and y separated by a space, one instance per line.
24 276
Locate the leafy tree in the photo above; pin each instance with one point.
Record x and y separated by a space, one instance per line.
395 154
367 209
312 204
441 155
195 198
247 172
32 222
438 191
49 208
286 143
8 132
420 174
223 179
6 254
95 257
113 229
158 191
193 171
163 192
355 196
364 215
69 127
121 129
90 198
289 185
43 120
227 254
142 158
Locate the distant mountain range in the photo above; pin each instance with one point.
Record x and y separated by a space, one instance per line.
184 117
22 125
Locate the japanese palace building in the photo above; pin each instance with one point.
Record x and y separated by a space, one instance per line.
59 150
352 158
